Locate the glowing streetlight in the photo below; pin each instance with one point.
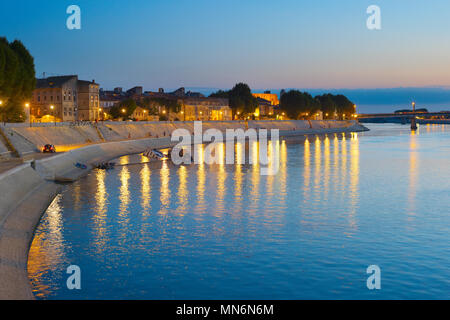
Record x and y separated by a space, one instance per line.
1 102
27 105
123 110
54 118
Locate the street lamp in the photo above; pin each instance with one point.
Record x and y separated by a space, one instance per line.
27 105
414 106
53 114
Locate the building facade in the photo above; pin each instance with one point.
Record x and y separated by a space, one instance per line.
55 99
265 109
88 101
272 97
204 109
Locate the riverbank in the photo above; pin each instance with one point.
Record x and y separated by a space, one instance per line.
27 190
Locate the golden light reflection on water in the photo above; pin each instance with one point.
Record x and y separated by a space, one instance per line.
145 175
317 168
354 179
124 198
101 211
282 149
183 192
254 178
42 257
307 171
201 178
326 171
221 181
413 172
164 191
238 174
323 172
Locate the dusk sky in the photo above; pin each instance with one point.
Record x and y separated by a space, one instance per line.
212 43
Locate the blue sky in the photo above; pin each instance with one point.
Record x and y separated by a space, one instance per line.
216 43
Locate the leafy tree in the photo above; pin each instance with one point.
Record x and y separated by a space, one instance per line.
152 104
343 104
17 79
240 99
296 103
327 104
220 94
128 105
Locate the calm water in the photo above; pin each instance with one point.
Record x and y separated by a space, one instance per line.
338 204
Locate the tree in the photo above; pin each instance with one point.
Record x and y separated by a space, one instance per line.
296 103
240 99
343 104
327 104
152 103
123 109
17 79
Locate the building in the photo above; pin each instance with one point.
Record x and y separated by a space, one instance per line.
135 91
65 98
265 109
88 101
272 97
141 114
55 99
204 109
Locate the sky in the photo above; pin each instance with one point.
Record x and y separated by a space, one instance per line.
217 43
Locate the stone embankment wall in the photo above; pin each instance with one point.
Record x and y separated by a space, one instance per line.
66 137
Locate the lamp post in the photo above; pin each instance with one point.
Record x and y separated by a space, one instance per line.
413 119
27 106
1 103
53 114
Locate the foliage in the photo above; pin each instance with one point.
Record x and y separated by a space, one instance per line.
128 105
151 104
17 79
240 98
297 104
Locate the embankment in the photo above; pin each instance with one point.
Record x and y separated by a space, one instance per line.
27 190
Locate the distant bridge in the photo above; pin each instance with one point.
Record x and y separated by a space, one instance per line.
405 117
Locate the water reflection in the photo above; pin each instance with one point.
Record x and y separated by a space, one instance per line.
42 257
165 231
101 210
413 172
145 189
164 175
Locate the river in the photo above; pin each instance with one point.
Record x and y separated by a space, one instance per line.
338 204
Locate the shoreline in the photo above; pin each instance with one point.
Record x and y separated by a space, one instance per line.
26 192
